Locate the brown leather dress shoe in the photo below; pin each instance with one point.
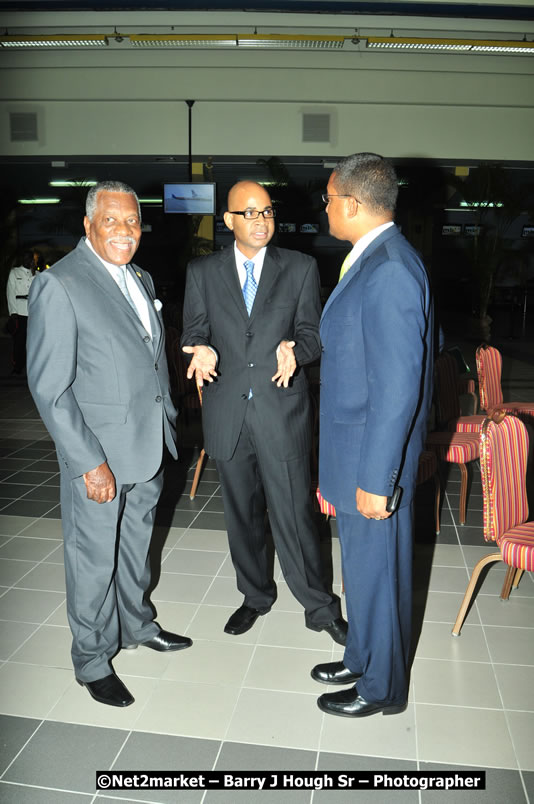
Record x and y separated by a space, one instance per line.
347 703
108 690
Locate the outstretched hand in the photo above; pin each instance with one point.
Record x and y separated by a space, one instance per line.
286 363
202 364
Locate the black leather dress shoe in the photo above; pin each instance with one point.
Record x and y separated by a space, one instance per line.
347 703
166 641
242 620
334 673
337 630
109 690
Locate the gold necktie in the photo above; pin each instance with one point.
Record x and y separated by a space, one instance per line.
345 267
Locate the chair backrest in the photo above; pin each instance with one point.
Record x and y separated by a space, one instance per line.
489 368
446 383
503 465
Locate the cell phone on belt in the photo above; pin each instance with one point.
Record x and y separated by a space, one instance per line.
393 502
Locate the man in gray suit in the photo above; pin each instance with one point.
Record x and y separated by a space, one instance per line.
98 374
251 347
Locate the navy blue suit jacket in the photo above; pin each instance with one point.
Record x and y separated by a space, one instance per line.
376 374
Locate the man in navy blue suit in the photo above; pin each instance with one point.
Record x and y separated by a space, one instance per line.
376 386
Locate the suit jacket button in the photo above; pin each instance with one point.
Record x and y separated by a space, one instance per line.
250 365
146 339
248 334
156 366
158 399
244 396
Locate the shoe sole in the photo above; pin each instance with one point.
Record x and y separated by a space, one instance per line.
345 682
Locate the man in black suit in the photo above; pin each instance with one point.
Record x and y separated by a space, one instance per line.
251 316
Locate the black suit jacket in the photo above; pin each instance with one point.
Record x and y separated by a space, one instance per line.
286 307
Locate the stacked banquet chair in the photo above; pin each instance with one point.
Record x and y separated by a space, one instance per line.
455 441
504 448
489 370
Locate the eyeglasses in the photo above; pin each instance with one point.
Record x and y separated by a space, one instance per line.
252 214
328 196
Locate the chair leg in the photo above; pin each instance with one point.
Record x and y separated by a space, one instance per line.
517 578
437 484
196 478
471 588
507 585
463 492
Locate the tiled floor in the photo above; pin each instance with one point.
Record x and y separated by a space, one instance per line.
248 702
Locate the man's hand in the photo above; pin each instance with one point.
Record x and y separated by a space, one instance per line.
202 363
286 363
371 506
100 484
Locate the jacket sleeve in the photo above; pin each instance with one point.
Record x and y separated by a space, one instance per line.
395 322
307 316
196 325
51 360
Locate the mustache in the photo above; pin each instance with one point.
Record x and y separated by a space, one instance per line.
126 239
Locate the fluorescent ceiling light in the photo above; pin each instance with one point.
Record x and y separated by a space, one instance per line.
482 204
72 183
457 45
151 201
59 40
38 200
182 40
290 41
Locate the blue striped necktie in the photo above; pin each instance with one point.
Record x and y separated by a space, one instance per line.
250 287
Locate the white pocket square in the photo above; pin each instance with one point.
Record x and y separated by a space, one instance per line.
157 304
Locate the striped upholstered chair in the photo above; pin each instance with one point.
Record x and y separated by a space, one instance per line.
489 370
448 386
456 439
503 460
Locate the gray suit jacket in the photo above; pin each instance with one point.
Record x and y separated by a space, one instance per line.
100 383
287 307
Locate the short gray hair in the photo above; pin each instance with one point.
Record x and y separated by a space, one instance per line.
370 178
108 187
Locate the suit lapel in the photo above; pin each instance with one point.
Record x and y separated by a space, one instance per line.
356 266
229 275
155 320
99 275
269 276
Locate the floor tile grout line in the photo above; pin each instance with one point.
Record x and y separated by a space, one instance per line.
22 749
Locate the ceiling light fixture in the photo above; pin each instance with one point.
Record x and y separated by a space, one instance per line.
458 45
58 40
38 200
72 183
183 40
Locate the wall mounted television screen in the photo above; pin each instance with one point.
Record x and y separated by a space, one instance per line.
193 198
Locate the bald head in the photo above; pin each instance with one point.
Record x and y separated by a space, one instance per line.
242 191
